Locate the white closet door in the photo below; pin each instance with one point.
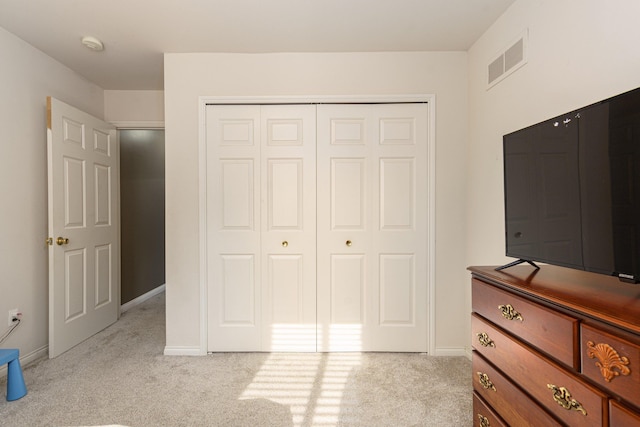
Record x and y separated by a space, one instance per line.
261 207
234 268
372 227
289 227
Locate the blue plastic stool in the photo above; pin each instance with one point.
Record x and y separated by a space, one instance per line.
15 381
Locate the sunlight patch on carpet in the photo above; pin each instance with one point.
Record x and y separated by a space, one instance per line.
312 386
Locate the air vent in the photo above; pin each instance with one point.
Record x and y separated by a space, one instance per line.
509 60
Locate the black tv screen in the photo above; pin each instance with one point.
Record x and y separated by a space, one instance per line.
572 189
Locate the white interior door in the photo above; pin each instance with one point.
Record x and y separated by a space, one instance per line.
372 227
84 259
261 228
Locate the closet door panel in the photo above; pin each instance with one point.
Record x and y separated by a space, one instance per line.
372 192
344 226
288 227
233 228
399 241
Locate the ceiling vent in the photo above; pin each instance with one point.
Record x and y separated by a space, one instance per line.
508 61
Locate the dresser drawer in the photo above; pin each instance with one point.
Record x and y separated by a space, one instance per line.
551 332
571 400
611 361
619 416
515 407
483 415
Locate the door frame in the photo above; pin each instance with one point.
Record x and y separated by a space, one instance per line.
203 101
131 125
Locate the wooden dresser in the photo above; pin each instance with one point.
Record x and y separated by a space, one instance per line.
554 347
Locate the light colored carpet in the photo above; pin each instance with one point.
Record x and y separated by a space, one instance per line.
120 377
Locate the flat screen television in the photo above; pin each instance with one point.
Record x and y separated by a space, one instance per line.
572 189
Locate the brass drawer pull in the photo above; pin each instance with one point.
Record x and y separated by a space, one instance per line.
484 421
509 312
485 341
485 381
563 398
608 360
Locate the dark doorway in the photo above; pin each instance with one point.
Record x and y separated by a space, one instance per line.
142 188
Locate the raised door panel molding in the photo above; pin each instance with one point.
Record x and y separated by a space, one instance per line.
102 143
348 195
398 303
235 133
397 194
238 194
285 189
399 131
348 131
285 132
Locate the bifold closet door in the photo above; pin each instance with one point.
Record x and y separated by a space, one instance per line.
372 227
288 227
261 227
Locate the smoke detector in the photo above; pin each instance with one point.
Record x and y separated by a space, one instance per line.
93 43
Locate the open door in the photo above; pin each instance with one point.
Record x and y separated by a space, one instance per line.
84 249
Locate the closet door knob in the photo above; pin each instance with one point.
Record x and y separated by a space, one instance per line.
285 244
348 243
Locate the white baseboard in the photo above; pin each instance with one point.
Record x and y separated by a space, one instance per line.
44 351
142 298
451 351
197 351
183 351
27 358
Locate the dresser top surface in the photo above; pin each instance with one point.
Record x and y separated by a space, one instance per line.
595 295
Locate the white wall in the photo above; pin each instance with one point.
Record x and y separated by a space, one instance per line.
580 51
188 76
27 77
134 108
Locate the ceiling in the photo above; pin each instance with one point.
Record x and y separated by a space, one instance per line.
136 33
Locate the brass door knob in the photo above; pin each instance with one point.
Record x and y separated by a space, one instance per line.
62 241
285 244
348 243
